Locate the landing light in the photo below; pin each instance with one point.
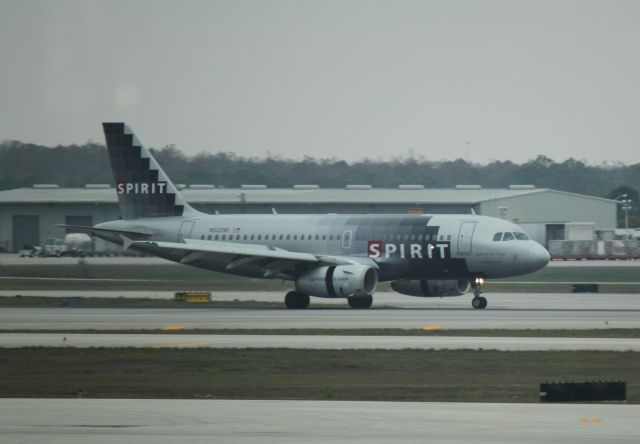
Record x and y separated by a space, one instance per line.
479 281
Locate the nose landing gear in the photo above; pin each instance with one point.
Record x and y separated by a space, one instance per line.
478 302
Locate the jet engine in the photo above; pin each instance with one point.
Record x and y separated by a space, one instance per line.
429 289
341 281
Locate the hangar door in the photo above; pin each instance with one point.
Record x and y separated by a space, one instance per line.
26 232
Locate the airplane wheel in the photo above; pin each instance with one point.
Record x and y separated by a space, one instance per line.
295 300
360 302
479 303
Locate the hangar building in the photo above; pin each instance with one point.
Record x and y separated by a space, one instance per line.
28 215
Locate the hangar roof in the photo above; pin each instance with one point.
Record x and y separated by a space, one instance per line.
202 195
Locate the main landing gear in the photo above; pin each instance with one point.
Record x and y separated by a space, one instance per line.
295 300
478 302
360 302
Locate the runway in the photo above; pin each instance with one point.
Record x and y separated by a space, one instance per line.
502 301
316 342
140 421
444 318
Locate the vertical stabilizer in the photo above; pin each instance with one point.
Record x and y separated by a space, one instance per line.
144 190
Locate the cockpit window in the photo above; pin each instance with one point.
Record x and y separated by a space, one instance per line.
507 236
521 236
497 237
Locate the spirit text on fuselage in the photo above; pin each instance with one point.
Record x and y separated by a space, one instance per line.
378 249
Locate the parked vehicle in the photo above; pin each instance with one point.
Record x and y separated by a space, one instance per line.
30 251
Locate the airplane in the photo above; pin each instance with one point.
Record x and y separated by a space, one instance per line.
326 256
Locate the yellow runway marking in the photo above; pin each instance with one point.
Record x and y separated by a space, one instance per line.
173 328
431 327
590 421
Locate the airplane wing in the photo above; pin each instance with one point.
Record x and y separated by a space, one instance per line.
275 262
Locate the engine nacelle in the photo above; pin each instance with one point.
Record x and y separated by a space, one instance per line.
341 281
431 289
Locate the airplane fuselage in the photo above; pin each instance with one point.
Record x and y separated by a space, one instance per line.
403 246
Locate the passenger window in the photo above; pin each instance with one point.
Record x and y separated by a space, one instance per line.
324 237
449 237
245 237
281 237
497 237
413 237
317 237
224 237
507 236
237 237
406 237
259 236
288 237
202 237
521 236
295 237
331 237
302 237
216 237
209 237
338 237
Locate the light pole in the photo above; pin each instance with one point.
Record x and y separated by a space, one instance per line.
626 206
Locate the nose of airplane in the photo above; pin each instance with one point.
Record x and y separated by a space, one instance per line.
538 256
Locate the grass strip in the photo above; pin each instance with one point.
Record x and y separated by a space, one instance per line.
523 333
168 277
384 375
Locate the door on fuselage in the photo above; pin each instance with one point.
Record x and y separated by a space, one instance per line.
185 230
465 237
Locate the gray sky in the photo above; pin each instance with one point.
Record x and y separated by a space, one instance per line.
344 79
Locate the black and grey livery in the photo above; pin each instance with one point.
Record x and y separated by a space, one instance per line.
331 256
143 188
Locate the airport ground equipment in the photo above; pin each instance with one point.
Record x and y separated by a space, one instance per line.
583 391
192 296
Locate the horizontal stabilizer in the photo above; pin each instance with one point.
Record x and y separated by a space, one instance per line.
129 233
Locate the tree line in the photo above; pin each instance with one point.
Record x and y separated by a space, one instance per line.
23 164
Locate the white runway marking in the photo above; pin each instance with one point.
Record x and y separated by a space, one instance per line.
319 342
